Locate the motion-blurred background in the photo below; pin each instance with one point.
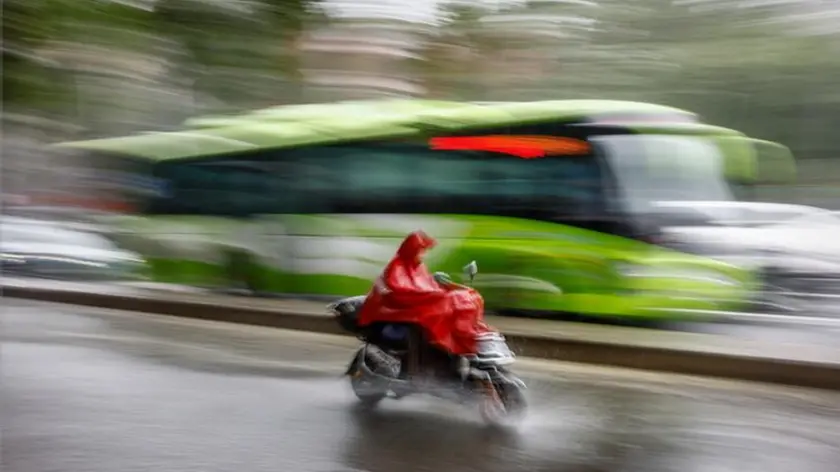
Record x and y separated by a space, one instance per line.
752 271
86 68
83 69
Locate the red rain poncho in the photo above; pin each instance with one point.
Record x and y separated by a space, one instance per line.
407 293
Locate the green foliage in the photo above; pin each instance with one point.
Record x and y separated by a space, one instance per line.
239 55
750 68
226 44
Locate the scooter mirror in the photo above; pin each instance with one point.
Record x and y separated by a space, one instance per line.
470 270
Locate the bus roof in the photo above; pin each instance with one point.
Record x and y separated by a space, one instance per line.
300 125
238 138
318 111
470 113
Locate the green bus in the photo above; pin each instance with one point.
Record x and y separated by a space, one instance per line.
556 200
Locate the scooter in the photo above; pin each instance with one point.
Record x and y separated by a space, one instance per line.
482 378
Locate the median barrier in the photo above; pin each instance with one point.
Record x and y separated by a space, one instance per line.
633 348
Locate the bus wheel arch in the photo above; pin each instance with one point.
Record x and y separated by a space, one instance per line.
518 278
238 269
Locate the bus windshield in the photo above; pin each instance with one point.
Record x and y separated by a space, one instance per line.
650 169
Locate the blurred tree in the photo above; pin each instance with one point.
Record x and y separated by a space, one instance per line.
38 79
240 53
25 28
289 20
767 68
452 57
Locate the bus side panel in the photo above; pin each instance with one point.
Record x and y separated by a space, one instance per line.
183 250
524 265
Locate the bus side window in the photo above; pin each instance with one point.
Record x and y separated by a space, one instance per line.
186 184
555 188
284 196
314 178
448 182
507 187
245 191
377 178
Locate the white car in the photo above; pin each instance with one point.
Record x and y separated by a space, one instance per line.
795 236
37 248
796 248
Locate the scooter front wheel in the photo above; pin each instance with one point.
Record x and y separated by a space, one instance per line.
504 406
368 390
365 391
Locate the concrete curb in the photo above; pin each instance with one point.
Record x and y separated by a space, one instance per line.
818 375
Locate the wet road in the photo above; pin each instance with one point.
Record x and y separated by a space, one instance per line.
816 325
93 390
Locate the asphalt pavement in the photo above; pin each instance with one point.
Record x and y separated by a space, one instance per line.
87 390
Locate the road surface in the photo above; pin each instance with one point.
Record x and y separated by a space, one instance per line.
742 333
88 390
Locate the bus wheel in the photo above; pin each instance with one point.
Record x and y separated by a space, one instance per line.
239 272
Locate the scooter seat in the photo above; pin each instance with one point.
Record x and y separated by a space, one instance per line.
347 311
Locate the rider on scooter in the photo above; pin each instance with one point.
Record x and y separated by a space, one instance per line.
407 293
